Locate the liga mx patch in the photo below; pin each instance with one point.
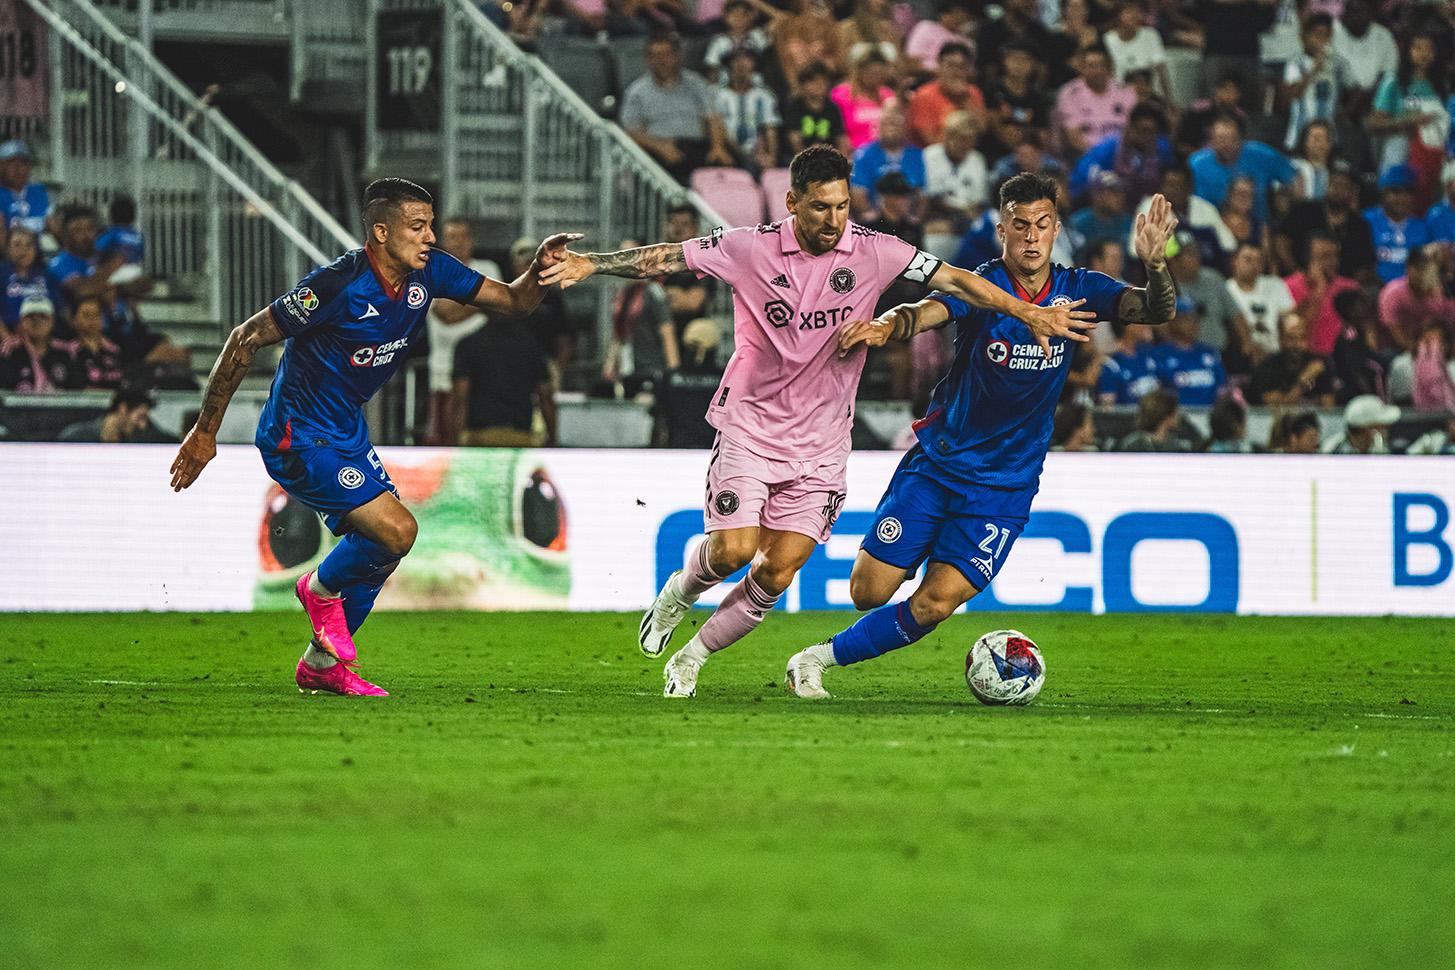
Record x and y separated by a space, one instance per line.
726 503
350 477
889 529
308 300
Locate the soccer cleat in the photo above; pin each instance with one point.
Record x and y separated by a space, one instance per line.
330 628
338 679
661 619
804 675
681 676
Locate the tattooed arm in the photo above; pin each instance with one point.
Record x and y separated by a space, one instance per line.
1157 301
243 344
900 323
644 262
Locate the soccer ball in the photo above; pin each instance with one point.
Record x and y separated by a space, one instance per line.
1005 667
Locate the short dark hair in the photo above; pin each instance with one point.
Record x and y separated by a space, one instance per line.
384 198
1068 417
1316 20
131 396
684 208
1155 407
817 163
122 211
1346 300
78 210
1028 187
1234 118
814 70
1225 418
1097 48
1145 109
955 47
1300 422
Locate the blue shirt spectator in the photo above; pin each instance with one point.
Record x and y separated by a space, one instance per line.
1395 229
890 152
1228 156
1191 368
22 202
123 237
23 277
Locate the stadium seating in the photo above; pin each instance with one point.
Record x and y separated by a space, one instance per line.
586 67
628 60
732 193
775 190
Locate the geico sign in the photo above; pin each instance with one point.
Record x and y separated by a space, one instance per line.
1118 541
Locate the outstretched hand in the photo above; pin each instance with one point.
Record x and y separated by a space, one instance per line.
552 249
1063 320
567 268
1153 230
197 450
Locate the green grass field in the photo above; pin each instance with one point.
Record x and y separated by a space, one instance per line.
1198 792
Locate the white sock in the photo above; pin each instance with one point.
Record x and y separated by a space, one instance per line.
824 653
318 658
318 589
695 652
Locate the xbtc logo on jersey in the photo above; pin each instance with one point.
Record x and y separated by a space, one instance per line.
378 356
416 296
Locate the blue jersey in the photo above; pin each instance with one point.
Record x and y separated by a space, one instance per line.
28 207
1440 222
1196 373
989 420
19 288
1393 241
349 334
128 240
1127 377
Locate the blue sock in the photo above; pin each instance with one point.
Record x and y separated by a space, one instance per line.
359 597
875 634
354 560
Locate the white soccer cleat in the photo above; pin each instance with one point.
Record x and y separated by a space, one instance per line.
661 618
804 675
680 675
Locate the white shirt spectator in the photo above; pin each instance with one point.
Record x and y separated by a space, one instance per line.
1320 99
1262 307
963 185
745 115
1367 59
1143 51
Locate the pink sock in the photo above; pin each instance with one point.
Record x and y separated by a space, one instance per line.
738 615
697 576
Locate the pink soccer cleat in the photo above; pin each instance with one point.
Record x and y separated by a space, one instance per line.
338 679
330 628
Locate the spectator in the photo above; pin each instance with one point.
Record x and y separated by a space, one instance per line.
1313 82
1074 35
1130 372
808 35
1073 428
680 407
550 322
899 203
1434 387
1230 154
34 361
1208 291
871 28
1019 26
1016 104
1366 428
74 268
1093 107
1228 422
1293 376
128 419
749 113
24 276
643 339
864 97
741 18
1231 30
1358 367
1295 433
446 325
1336 216
500 378
813 118
1155 427
1416 301
1140 156
948 92
1312 154
97 361
890 152
1133 46
1409 114
1368 52
122 238
1191 368
957 183
1195 127
22 202
1262 299
952 25
1237 213
1313 290
1107 216
1394 227
687 293
670 113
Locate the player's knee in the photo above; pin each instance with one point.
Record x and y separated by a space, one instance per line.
867 595
399 535
728 554
773 578
930 608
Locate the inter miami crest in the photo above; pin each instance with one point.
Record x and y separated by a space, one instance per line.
726 503
842 280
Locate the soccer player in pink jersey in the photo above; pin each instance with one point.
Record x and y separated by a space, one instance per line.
784 409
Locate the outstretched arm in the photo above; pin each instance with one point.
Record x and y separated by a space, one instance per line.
1044 322
1157 301
525 294
642 263
243 344
899 323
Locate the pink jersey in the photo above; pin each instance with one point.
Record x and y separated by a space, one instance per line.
786 392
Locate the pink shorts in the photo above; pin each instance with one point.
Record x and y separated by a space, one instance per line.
745 489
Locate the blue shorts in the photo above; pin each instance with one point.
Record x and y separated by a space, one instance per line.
329 481
926 516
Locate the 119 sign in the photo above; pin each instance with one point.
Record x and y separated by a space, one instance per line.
407 62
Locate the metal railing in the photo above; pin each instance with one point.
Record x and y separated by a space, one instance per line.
221 219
